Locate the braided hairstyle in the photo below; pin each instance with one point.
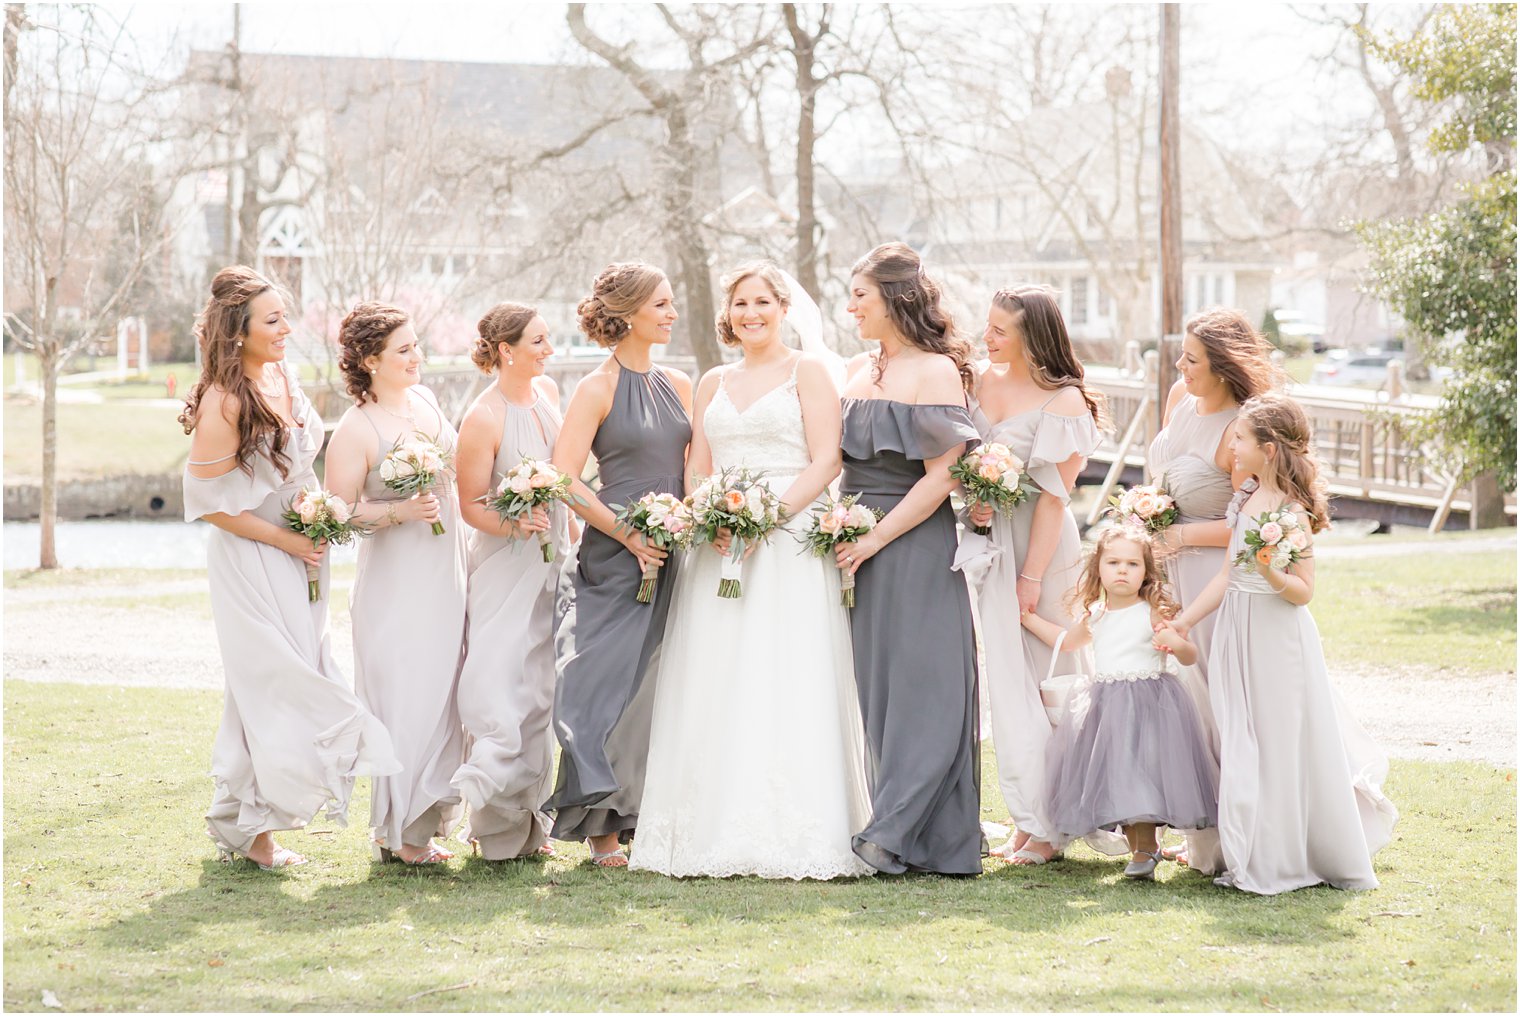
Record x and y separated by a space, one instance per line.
619 291
219 331
1280 421
913 306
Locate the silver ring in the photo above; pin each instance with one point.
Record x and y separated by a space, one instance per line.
849 559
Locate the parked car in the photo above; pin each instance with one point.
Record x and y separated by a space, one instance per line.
1367 369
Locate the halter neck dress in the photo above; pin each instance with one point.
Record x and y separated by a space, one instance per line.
506 685
608 643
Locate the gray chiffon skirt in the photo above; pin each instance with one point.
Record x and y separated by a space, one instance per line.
1128 752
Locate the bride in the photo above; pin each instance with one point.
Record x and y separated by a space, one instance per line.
756 757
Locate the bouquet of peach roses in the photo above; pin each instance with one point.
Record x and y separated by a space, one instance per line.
526 487
662 519
415 466
836 522
991 473
1278 541
1147 506
741 502
319 515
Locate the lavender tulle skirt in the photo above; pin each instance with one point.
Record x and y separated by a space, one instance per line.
1130 751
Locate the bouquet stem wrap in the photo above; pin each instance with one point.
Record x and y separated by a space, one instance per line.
313 583
731 570
647 584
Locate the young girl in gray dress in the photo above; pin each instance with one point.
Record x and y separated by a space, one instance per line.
1130 750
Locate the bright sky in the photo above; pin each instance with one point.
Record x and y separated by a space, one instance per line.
1252 73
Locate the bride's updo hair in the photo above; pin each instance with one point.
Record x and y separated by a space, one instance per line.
616 295
764 270
504 322
913 304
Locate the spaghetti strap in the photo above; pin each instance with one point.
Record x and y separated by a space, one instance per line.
210 462
1053 397
792 377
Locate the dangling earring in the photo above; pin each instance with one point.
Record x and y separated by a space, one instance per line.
510 361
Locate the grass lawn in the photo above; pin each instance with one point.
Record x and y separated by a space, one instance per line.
113 901
94 440
1442 611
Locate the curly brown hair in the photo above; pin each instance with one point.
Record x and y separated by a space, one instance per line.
763 270
361 336
1237 353
1053 364
914 307
504 322
1280 421
1153 589
619 291
219 331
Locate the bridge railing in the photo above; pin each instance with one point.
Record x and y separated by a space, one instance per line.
1365 439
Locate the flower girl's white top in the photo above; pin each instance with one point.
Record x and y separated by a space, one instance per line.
767 436
1122 645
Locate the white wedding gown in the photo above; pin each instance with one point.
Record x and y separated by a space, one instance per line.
756 759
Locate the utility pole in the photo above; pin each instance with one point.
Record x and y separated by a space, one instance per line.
1170 207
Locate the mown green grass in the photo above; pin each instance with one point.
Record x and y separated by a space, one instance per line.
113 901
1450 612
94 440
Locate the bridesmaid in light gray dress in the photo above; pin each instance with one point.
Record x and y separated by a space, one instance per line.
1031 397
293 735
905 423
408 600
1223 362
635 416
506 686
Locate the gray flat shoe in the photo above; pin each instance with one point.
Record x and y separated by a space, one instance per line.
1142 869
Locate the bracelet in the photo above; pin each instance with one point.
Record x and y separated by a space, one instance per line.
1031 578
390 513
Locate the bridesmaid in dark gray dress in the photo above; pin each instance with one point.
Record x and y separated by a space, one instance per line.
635 416
905 423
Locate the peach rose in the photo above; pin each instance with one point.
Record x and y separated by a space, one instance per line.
308 511
1271 533
830 523
733 500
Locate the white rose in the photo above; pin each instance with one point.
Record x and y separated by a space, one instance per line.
388 470
519 484
861 517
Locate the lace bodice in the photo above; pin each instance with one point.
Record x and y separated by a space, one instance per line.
1122 645
768 435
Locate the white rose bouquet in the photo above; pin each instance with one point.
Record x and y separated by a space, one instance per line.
663 519
1278 541
319 515
414 466
527 486
991 474
741 502
1147 506
836 522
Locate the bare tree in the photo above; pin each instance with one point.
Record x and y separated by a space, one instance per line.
80 203
689 154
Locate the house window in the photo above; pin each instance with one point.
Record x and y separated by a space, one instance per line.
1079 315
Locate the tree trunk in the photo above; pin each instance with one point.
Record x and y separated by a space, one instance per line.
47 514
803 49
691 251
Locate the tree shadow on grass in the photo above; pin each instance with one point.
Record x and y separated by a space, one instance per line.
1065 899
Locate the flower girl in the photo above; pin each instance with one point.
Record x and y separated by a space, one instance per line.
1300 792
1129 750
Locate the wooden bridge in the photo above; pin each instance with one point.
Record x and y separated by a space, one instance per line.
1375 469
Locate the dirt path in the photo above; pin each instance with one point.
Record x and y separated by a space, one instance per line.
160 635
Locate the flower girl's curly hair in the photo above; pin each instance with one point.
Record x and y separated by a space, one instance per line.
1153 589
